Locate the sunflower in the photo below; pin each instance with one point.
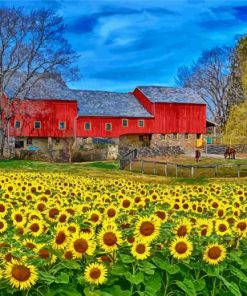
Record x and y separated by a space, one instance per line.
81 244
222 227
148 228
95 273
46 255
30 244
3 225
204 227
214 254
3 209
73 227
21 275
60 239
162 215
94 217
35 227
18 218
183 228
110 238
240 227
126 203
140 250
111 212
181 248
68 255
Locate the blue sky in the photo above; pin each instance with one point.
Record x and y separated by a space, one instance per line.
123 44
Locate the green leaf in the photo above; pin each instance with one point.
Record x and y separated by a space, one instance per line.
147 267
127 258
162 264
62 278
134 279
234 289
116 290
238 273
153 283
66 291
187 286
199 284
46 277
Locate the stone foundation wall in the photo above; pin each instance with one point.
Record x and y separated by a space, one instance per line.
159 140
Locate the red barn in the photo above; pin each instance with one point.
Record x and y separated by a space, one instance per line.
51 117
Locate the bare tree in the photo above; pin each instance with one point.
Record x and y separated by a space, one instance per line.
215 78
32 48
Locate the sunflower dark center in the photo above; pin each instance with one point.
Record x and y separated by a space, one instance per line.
147 228
62 218
222 228
81 245
242 226
214 252
44 254
95 273
140 248
31 246
181 247
60 238
2 208
21 273
68 255
161 215
35 227
95 217
1 225
111 213
182 230
110 239
126 203
53 212
18 217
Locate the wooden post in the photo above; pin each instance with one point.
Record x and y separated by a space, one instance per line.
192 171
154 168
166 169
176 170
142 166
130 166
215 171
238 170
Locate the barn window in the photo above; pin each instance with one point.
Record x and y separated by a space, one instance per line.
186 136
87 126
108 126
163 137
61 125
141 138
19 144
125 122
175 136
29 141
141 123
17 124
37 124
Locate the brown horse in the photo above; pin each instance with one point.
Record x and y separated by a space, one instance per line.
230 153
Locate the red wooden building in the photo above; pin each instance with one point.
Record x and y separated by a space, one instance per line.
150 115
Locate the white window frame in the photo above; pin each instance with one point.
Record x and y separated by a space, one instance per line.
141 120
90 126
106 126
64 125
123 120
19 122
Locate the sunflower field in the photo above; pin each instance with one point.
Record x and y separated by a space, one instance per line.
64 234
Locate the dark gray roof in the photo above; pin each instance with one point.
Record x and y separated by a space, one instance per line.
159 94
47 88
104 103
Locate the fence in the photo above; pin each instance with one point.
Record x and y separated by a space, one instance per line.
170 169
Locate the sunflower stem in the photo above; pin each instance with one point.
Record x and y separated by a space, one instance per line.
166 284
214 287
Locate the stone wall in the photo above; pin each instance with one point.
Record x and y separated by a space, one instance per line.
159 140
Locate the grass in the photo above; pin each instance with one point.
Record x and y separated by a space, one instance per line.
107 169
